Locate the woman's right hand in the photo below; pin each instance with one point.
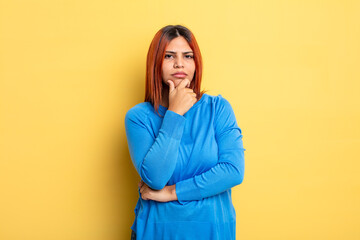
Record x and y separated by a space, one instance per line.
181 98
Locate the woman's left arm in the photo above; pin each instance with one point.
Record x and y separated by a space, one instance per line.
227 173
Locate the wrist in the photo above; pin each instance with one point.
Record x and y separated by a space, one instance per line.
172 190
175 111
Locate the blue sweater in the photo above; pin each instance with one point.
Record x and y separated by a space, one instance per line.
202 153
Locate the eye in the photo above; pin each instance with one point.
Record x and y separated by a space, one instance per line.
189 56
168 55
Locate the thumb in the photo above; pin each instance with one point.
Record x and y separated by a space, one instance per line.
171 86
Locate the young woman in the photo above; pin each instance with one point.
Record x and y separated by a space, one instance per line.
185 145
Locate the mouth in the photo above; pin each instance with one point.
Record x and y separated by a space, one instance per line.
179 75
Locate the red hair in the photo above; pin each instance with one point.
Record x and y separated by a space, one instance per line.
155 57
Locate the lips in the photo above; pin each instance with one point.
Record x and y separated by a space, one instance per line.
179 74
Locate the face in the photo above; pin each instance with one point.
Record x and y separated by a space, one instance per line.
178 58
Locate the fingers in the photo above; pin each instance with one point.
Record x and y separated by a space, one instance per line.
144 191
184 83
142 188
171 85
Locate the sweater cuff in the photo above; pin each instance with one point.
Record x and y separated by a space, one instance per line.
187 191
173 124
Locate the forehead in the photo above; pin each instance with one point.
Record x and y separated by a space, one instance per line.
178 43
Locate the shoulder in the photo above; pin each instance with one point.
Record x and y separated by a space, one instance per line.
224 113
221 103
225 118
138 113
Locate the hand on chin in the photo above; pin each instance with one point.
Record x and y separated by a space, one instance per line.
177 81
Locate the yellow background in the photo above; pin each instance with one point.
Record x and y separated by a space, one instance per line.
69 71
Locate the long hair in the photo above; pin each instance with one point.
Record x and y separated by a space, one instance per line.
155 57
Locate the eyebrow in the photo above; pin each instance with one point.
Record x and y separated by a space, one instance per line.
175 52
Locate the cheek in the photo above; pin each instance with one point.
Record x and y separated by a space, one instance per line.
165 70
192 66
193 69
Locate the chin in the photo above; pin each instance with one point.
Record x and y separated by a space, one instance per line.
176 81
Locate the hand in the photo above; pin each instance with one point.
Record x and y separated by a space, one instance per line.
166 194
181 98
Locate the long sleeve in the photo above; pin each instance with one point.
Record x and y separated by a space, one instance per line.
154 159
229 171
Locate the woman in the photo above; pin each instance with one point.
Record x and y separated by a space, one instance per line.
185 145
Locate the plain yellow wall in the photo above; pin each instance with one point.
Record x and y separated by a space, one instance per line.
69 71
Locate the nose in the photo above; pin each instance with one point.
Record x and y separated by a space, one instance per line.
178 63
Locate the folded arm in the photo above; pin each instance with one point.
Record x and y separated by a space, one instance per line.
229 171
154 159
